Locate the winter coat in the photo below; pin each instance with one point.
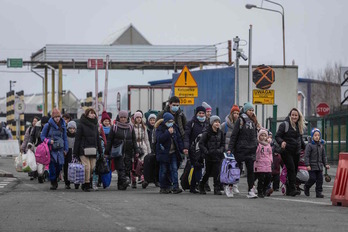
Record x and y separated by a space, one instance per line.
293 138
264 158
315 156
212 145
119 134
192 129
35 138
5 134
52 131
243 143
87 136
150 130
71 142
142 139
164 142
26 139
179 119
227 128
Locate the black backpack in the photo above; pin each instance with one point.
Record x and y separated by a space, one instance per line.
3 133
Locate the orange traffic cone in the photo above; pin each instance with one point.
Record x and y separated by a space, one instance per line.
339 196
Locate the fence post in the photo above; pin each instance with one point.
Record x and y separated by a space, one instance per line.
332 130
274 120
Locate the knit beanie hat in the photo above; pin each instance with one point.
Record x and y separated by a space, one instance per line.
214 118
72 124
206 106
55 113
247 106
262 131
138 114
315 130
200 108
123 114
105 116
235 108
152 116
167 116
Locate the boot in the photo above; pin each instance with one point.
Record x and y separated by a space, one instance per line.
77 186
40 179
201 188
306 191
85 187
217 191
54 185
193 190
207 187
319 195
144 184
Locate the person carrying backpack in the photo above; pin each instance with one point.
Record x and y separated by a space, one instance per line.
212 146
243 143
193 129
289 137
55 132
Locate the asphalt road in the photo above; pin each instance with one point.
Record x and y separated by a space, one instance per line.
28 206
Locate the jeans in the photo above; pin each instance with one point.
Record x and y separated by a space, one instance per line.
290 160
317 178
169 170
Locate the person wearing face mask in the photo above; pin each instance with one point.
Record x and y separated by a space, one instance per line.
168 148
289 137
56 133
173 108
243 143
194 128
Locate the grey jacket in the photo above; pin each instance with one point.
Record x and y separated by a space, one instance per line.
227 128
315 156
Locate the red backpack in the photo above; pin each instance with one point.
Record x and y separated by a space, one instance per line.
42 153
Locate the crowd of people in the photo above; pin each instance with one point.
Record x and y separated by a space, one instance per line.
169 136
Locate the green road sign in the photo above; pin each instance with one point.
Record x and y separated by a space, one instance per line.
15 63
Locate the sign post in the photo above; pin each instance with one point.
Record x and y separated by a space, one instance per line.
96 64
186 87
263 96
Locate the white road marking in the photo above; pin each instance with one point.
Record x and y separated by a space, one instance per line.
301 201
10 179
2 186
5 182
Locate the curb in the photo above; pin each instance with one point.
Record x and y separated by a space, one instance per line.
6 175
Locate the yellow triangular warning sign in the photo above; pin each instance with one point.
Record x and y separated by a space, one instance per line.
185 79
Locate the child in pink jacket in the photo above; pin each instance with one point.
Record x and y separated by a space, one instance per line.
263 163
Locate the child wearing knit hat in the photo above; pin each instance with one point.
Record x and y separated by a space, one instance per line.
263 163
208 109
315 160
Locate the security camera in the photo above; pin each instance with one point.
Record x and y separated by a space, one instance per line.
244 56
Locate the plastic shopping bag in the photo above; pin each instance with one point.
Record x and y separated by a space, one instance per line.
25 165
19 163
31 160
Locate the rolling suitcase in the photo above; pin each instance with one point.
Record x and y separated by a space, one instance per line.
149 168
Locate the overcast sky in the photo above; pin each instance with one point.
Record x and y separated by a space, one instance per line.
316 32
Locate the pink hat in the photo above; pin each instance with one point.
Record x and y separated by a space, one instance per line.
138 114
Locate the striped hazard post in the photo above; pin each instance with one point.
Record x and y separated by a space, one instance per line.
10 117
89 100
20 94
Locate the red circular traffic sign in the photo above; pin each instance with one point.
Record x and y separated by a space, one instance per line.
323 109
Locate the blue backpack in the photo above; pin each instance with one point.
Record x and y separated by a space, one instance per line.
230 173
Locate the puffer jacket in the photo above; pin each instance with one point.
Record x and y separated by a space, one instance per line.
87 136
243 143
164 141
264 158
142 138
315 156
52 131
119 134
35 139
227 128
179 119
192 129
292 137
212 145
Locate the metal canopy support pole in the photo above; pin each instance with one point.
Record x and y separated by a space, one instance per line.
45 93
53 90
60 87
274 120
96 88
106 83
250 65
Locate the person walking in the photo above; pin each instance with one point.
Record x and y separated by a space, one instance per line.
212 145
122 136
55 132
227 128
243 143
24 146
5 134
289 137
87 142
169 145
194 128
71 133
